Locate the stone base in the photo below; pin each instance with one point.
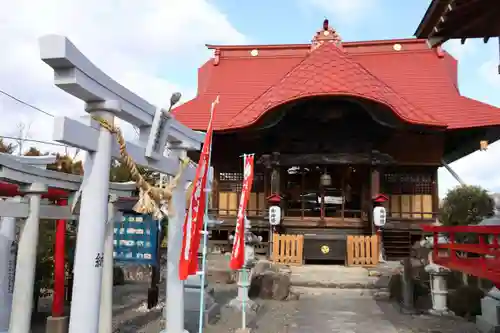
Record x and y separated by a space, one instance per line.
243 330
489 320
192 305
408 310
237 304
57 325
441 312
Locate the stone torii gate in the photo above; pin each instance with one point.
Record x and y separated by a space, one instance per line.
107 99
8 246
34 182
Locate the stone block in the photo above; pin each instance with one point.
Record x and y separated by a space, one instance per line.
270 285
57 325
192 305
489 320
194 282
484 326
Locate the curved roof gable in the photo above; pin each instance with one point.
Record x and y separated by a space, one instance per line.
328 70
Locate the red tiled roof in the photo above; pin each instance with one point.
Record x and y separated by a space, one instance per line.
416 83
330 71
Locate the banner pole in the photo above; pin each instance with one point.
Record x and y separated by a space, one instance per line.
205 237
243 269
245 283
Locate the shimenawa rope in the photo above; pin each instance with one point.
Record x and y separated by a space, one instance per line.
151 198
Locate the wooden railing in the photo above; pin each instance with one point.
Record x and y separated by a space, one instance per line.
480 256
362 250
288 249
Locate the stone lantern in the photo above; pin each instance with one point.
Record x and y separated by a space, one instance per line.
438 273
489 320
242 302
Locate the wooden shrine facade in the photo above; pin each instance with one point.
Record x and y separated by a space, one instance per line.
333 125
299 145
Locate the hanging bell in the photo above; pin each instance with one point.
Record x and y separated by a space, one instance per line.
325 179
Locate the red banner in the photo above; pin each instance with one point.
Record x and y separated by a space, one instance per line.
238 254
193 222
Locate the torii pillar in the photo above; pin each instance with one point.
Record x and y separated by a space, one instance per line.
8 247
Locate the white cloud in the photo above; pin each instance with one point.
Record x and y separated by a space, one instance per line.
129 40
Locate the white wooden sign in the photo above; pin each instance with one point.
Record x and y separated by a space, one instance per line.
379 216
274 215
331 200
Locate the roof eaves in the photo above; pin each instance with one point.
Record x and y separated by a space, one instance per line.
431 17
376 42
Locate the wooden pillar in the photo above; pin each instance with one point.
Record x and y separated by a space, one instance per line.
59 265
215 193
276 174
375 182
374 190
302 191
435 194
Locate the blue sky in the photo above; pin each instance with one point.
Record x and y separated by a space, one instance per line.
155 47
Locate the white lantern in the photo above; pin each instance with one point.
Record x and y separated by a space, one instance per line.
379 216
274 215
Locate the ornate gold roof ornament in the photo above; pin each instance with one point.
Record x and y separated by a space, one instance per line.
326 35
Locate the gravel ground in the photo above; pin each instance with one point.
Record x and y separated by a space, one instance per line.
338 310
317 310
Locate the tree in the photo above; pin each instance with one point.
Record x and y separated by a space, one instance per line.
7 148
120 173
466 205
23 133
33 152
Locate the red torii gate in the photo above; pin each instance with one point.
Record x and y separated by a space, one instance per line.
61 198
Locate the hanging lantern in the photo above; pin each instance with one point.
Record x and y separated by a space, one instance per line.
483 145
325 179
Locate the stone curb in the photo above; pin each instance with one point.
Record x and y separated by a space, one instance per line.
337 285
310 284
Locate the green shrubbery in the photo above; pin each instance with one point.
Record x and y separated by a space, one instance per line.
466 205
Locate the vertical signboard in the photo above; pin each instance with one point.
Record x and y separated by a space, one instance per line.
135 239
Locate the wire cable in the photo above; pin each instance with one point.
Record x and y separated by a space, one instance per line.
34 141
36 109
26 103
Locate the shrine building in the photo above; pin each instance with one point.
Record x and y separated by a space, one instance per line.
337 126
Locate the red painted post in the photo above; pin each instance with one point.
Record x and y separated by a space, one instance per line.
59 265
452 254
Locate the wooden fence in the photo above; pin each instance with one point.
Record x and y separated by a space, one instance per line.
362 250
288 249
